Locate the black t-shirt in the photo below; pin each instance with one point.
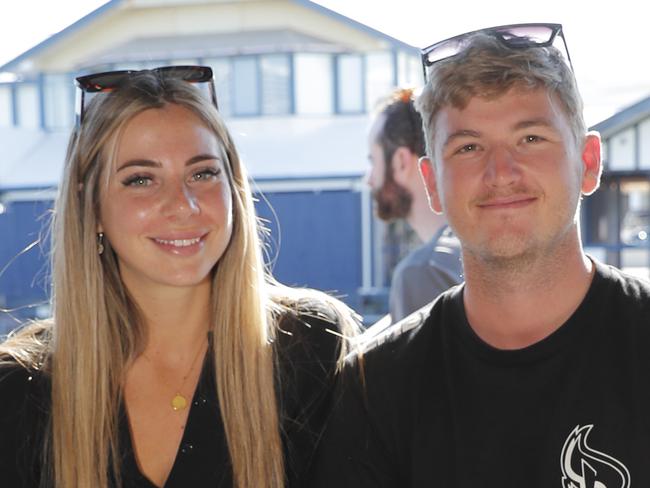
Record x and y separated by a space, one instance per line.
433 405
306 357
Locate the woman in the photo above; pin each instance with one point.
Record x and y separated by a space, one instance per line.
172 358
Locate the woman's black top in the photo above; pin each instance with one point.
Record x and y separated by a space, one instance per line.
306 360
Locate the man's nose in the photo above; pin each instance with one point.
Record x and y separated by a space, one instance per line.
502 168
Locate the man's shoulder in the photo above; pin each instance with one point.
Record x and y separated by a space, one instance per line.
417 258
443 252
627 293
623 283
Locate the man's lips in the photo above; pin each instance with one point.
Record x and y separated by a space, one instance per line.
515 201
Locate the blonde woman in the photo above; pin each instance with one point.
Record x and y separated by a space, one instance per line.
172 359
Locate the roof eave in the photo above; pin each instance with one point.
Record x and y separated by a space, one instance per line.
624 118
357 25
82 22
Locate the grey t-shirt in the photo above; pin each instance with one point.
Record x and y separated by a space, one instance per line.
425 273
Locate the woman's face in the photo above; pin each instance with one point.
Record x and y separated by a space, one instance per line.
167 208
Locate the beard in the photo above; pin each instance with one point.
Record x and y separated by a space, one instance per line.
393 201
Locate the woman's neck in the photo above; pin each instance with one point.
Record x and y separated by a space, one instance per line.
176 319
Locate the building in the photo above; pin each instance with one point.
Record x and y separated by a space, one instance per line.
617 217
295 82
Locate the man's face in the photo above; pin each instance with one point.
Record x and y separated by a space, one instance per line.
508 174
392 200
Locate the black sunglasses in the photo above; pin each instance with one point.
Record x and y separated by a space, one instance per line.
514 36
112 80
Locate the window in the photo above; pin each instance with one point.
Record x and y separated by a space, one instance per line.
183 62
314 84
409 70
59 101
380 77
134 66
276 84
349 80
246 92
28 105
222 70
6 112
644 144
622 150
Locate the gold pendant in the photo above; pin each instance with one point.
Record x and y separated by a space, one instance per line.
179 402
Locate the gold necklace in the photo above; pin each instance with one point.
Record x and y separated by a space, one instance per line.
179 401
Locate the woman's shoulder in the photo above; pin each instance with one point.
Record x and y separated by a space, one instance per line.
24 383
23 419
312 331
315 330
22 388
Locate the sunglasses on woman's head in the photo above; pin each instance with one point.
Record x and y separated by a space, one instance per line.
515 36
112 80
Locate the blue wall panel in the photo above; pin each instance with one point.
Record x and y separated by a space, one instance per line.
316 240
24 273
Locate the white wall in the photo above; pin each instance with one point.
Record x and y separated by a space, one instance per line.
644 144
622 152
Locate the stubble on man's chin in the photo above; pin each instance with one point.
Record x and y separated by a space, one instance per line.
508 262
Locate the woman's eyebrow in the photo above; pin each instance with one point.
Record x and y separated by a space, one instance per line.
148 163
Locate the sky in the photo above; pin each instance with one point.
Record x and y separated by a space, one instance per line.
608 41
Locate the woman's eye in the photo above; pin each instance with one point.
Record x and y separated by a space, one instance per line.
137 181
206 174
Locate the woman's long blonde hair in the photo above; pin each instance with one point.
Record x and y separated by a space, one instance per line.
97 329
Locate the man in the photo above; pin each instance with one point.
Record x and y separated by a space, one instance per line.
396 142
535 372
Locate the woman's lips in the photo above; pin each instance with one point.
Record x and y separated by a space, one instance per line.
181 246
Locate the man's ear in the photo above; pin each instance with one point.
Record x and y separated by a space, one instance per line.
591 163
403 165
430 179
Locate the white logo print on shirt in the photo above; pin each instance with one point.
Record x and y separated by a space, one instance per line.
584 467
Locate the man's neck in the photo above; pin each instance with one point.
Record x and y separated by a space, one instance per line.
512 307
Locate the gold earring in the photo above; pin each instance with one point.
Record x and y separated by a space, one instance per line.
100 243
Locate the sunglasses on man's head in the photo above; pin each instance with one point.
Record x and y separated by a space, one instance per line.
112 80
514 36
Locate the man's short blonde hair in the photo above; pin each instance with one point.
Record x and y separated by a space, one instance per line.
487 68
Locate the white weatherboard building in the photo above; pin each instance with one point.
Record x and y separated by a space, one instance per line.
617 217
295 82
